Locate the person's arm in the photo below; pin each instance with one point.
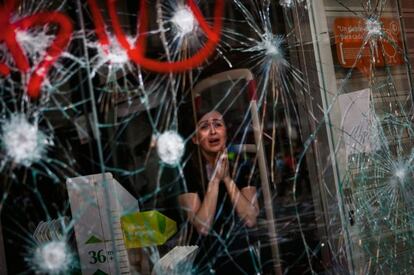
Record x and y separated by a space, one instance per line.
244 201
201 214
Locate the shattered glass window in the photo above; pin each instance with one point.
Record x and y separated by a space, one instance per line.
206 137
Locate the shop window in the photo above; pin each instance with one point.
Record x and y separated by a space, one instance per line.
243 136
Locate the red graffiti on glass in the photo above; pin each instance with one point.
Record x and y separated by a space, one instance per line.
137 52
8 36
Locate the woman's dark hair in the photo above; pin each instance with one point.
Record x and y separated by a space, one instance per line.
187 120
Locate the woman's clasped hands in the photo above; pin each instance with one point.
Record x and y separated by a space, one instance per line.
221 170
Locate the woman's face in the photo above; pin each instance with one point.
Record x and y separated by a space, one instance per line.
211 134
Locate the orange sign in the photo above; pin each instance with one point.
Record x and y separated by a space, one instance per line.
361 42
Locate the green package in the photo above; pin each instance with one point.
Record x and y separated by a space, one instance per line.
148 228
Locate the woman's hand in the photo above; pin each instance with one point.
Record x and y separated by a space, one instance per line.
221 169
